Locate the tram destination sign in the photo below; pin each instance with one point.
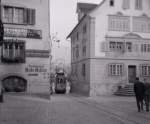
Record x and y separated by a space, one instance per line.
22 33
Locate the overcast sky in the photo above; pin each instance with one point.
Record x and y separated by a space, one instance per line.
63 19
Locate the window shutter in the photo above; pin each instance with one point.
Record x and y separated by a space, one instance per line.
28 16
25 16
33 16
104 47
135 48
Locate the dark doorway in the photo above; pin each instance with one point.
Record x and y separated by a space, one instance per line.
14 84
131 73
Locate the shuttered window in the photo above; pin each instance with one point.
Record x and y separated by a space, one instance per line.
17 15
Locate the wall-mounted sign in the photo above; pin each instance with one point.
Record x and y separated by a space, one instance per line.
35 68
23 33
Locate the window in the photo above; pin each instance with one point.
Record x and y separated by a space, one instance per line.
115 69
77 36
118 23
16 15
111 3
141 24
84 29
83 70
13 51
8 14
74 52
138 4
77 51
145 70
126 4
84 50
128 47
145 47
116 46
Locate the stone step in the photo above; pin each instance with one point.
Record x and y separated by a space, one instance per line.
127 90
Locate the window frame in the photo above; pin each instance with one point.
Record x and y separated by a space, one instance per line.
28 16
145 70
115 69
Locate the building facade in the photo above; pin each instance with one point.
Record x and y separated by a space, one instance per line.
110 45
25 51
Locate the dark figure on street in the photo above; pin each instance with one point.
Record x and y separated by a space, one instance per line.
1 92
139 91
147 94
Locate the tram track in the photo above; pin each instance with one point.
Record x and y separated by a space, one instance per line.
109 111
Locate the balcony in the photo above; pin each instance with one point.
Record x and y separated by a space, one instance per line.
13 52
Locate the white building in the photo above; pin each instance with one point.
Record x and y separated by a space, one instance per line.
25 52
110 45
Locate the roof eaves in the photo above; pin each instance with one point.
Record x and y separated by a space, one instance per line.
76 25
85 16
97 6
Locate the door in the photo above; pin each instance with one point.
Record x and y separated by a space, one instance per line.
131 73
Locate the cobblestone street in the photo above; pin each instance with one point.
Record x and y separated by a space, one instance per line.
70 109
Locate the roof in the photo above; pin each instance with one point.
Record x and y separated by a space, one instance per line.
86 7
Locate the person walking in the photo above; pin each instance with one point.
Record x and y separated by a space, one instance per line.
139 90
147 94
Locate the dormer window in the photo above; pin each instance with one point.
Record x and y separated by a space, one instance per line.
111 3
138 4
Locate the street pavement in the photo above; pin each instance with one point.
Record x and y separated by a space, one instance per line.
70 109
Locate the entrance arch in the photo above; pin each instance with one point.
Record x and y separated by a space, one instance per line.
13 83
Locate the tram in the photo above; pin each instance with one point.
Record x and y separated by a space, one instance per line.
60 82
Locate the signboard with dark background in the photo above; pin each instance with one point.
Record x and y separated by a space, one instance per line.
22 33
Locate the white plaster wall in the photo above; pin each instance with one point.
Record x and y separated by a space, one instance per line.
101 20
35 83
42 21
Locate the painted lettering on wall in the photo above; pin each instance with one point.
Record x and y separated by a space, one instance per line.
35 68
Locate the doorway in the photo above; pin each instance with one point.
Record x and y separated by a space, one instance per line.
14 84
131 73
